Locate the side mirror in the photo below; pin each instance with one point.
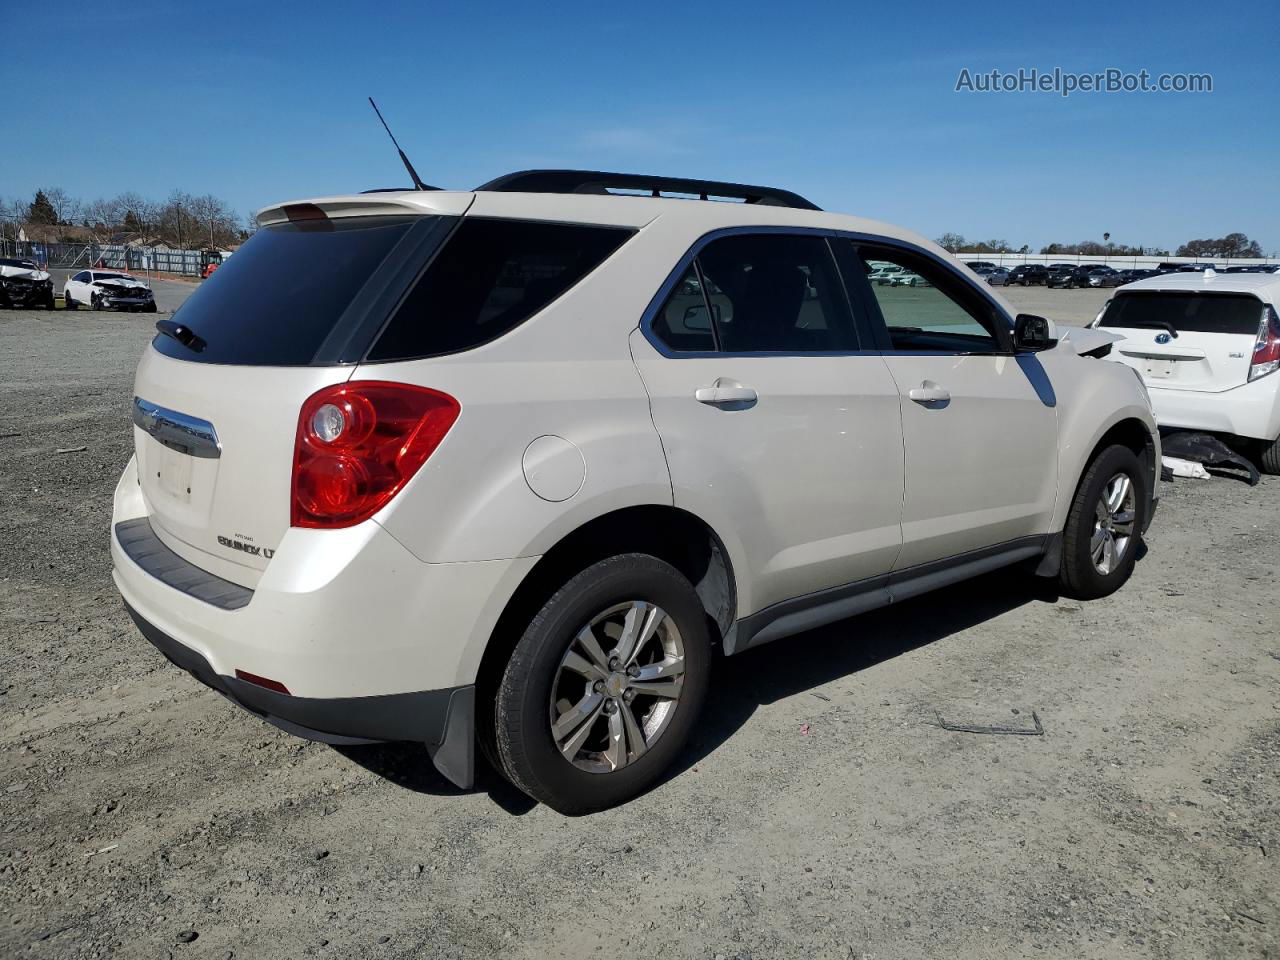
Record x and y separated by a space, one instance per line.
1031 334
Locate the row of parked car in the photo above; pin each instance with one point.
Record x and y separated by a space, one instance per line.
1071 275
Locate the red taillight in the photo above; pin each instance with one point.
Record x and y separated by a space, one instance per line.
1266 351
358 443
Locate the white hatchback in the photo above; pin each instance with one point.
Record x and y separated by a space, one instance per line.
1208 347
504 467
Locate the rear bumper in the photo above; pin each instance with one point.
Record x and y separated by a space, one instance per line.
371 643
1251 410
335 614
442 719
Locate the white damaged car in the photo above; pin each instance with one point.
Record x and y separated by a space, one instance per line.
106 290
23 284
1207 345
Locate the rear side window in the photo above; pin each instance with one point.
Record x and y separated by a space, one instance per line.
282 294
766 293
491 276
1235 313
683 323
776 293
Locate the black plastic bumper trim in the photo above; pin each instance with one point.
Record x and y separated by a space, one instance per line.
143 547
443 719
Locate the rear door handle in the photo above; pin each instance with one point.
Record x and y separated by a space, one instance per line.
724 392
929 392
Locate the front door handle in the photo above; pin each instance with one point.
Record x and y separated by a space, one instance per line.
724 392
929 392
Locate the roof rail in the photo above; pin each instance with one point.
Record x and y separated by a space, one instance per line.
595 181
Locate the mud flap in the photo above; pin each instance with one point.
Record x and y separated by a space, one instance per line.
455 755
1051 560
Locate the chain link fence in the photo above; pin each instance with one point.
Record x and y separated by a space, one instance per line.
113 256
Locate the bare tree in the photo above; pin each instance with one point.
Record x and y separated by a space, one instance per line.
11 212
134 212
104 217
218 223
65 207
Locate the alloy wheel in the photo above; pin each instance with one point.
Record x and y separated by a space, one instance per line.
617 687
1115 515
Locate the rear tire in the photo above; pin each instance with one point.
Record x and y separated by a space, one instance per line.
574 660
1103 531
1269 456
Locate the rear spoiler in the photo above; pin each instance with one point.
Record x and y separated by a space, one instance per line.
416 203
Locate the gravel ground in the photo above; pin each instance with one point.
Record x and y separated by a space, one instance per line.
821 812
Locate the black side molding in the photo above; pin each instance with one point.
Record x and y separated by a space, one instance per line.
827 606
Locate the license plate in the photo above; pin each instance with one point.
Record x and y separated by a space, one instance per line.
1160 369
175 474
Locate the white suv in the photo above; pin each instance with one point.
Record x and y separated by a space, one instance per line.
504 466
1208 346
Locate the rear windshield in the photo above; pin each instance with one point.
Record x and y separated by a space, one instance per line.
281 295
491 276
1236 313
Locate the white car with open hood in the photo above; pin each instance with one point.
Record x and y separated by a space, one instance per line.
108 290
505 467
1208 346
24 284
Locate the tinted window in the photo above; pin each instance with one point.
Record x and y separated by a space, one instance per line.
927 307
81 277
775 293
683 322
1190 312
491 276
281 295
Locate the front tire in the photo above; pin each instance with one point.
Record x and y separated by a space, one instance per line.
605 685
67 302
1269 456
1104 526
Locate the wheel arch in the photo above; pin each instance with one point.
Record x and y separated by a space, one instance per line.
677 536
1127 429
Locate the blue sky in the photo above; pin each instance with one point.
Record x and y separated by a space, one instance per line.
850 104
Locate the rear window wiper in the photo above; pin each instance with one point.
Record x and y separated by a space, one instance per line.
1149 324
184 335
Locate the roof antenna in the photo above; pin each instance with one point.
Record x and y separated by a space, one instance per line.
417 180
